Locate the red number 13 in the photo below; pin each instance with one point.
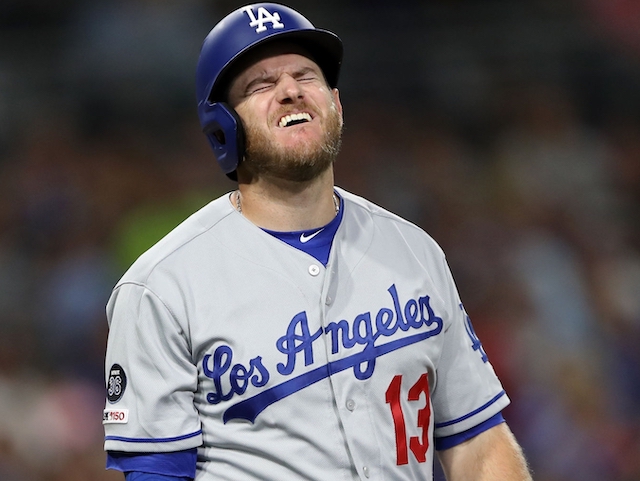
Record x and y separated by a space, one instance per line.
418 445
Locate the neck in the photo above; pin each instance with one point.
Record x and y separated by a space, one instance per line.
283 206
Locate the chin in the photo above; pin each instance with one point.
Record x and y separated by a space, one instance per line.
300 155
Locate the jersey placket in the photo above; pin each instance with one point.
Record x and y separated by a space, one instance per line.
349 397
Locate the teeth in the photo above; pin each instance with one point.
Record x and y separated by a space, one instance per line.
288 119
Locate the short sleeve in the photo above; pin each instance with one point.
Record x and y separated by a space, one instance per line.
467 390
150 376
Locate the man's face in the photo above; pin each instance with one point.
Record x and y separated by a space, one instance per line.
292 119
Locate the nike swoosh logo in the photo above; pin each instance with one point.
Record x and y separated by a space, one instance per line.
304 239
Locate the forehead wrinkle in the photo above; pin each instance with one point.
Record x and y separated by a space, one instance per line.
271 74
274 71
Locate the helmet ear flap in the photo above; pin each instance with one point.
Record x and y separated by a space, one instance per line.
226 136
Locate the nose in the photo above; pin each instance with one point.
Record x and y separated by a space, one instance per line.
289 90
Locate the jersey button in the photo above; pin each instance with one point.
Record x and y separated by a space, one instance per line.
365 470
328 300
351 404
314 270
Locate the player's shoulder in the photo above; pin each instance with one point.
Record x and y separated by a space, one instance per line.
361 205
389 222
181 240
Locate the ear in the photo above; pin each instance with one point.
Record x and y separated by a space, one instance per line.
337 103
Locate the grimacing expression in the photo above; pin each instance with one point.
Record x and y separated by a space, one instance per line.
292 119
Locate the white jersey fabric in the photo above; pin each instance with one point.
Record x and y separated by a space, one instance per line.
223 337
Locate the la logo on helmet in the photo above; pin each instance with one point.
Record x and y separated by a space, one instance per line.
263 16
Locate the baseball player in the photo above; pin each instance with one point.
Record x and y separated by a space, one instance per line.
290 329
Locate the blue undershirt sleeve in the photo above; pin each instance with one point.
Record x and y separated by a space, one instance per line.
178 465
138 476
447 442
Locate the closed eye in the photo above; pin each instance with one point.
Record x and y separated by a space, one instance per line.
262 84
259 87
306 75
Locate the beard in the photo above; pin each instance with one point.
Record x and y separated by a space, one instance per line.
302 163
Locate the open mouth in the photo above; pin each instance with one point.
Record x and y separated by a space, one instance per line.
294 119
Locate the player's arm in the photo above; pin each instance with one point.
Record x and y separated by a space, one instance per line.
492 454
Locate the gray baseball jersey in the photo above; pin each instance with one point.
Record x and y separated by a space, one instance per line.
223 337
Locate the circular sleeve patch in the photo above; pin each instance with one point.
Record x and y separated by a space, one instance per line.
116 384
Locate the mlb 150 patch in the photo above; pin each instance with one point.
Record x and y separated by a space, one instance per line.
115 416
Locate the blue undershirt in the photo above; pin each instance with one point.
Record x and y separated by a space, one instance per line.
140 476
175 466
315 242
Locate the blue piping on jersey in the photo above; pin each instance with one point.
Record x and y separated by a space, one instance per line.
152 440
472 413
447 442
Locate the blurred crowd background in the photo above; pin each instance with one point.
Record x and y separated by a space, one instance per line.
508 129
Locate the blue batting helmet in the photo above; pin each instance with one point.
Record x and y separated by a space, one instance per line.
235 35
